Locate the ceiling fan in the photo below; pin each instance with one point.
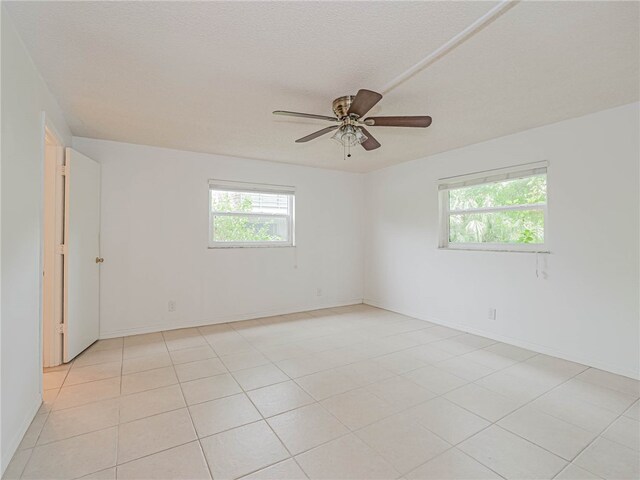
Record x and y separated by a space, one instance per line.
350 131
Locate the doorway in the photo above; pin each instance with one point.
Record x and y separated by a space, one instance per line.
70 258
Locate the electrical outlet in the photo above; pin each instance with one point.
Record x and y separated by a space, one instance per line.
492 314
172 305
319 292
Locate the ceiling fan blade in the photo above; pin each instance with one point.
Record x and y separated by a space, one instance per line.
370 143
422 122
364 101
305 115
317 134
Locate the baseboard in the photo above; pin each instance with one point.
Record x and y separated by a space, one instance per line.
635 374
8 451
226 319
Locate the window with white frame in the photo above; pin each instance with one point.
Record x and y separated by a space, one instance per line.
502 209
250 215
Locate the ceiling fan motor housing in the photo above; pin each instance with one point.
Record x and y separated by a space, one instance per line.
341 105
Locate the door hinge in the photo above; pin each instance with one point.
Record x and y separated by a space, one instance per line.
62 249
61 328
61 170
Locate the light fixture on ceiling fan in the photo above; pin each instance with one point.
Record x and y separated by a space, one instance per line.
350 130
349 136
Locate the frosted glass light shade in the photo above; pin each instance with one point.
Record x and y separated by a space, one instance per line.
349 136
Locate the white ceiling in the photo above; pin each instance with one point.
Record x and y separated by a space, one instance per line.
205 76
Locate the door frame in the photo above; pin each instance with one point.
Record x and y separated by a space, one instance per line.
52 231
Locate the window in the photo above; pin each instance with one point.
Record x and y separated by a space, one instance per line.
250 215
497 210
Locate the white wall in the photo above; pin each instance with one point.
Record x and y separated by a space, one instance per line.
155 234
24 98
587 308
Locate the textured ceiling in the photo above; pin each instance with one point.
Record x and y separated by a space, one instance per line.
205 76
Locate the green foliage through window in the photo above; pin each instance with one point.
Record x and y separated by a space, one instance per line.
249 217
497 212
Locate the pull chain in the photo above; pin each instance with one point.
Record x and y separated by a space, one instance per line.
346 151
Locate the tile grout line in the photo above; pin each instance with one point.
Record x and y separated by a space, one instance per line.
597 437
494 423
569 462
437 395
186 406
318 402
48 414
199 439
179 383
119 413
399 412
362 343
264 419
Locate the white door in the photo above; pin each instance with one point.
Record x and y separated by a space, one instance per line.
82 253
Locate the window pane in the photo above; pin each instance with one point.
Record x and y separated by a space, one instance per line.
520 191
514 226
243 228
228 201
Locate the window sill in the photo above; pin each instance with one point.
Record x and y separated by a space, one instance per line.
227 247
495 250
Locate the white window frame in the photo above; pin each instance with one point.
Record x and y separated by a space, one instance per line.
491 176
226 185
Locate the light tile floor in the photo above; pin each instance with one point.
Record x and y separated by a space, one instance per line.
353 392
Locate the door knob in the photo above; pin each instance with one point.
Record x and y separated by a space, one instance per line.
99 259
